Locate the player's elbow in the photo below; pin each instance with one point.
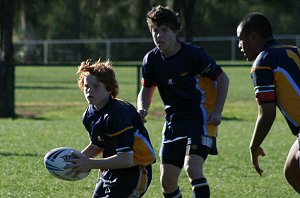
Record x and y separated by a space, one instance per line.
225 80
127 159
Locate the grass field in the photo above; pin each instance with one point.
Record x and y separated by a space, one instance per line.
50 106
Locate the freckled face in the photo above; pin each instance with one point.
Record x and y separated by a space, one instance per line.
95 92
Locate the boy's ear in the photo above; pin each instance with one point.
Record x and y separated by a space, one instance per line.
255 37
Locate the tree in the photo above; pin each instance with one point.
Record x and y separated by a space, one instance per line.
27 24
187 12
7 97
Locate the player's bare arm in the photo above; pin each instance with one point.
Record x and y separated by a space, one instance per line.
144 101
82 163
222 89
92 150
265 119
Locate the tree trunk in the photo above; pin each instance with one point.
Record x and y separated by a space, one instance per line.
30 50
186 10
7 70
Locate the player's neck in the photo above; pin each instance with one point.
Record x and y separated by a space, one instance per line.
173 49
102 104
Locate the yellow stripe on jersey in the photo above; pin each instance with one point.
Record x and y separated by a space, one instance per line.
260 67
288 97
119 132
294 56
210 94
143 153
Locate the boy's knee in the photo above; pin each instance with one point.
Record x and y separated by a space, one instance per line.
193 172
292 175
168 183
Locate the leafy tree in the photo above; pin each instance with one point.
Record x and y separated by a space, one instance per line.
7 97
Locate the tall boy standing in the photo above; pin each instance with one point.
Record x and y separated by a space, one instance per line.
176 68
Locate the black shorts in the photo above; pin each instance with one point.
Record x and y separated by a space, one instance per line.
122 183
175 152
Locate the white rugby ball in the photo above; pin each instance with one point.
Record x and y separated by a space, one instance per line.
54 162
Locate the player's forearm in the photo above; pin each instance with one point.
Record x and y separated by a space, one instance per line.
91 150
265 119
222 89
144 98
119 161
143 103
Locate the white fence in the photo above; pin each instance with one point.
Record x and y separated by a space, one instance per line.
68 51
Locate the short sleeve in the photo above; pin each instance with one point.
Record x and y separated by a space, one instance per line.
208 66
147 71
263 79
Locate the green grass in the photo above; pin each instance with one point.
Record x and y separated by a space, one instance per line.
50 106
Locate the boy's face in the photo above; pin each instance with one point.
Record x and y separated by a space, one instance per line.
164 38
247 44
95 92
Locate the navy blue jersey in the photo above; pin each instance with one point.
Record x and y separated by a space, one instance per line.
276 78
177 77
117 128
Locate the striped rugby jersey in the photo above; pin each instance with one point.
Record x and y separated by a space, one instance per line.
180 79
276 77
117 128
177 77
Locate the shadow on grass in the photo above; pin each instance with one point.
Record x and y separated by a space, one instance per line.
232 118
26 115
8 154
29 115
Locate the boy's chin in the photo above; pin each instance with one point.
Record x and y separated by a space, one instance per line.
90 102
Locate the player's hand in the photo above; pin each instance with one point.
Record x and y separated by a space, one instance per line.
214 118
143 113
255 153
80 163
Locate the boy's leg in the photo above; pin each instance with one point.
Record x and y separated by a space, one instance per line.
292 167
194 169
169 180
172 159
196 154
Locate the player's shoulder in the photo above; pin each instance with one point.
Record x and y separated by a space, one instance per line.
120 107
273 54
120 115
151 56
120 103
268 55
272 48
192 47
88 112
193 51
152 53
263 61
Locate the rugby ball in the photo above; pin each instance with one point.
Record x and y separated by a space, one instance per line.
54 162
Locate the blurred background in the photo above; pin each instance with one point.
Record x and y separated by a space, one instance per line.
69 31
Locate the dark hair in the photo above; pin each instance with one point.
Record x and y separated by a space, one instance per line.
256 22
161 15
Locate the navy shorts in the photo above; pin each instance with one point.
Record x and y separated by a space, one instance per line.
122 183
175 152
